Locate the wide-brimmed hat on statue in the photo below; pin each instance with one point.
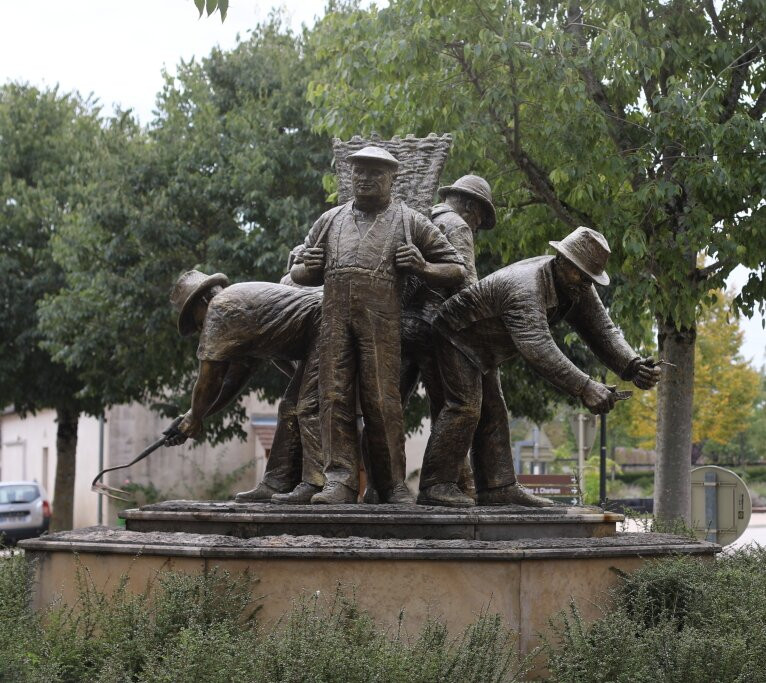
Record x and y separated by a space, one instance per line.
373 154
588 250
477 188
187 288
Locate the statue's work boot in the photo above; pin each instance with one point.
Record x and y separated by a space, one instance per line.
447 495
370 496
399 493
300 495
260 494
334 493
513 494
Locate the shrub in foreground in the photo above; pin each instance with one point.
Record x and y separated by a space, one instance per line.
673 620
202 628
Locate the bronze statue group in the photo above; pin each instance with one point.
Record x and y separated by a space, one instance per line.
378 298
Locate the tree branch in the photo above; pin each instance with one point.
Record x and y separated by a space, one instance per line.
537 179
759 107
701 274
738 76
720 31
593 86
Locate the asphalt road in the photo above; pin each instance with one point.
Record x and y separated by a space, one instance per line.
755 532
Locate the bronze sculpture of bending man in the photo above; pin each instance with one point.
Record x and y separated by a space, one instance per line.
239 324
510 313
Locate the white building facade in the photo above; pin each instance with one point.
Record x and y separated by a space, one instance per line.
28 451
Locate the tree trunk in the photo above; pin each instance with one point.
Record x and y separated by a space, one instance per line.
672 479
66 449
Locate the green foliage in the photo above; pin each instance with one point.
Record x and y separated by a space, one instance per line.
341 643
674 620
637 118
47 140
227 178
211 6
118 635
748 445
591 476
201 628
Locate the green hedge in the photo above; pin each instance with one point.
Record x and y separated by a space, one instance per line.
750 474
678 620
675 620
204 629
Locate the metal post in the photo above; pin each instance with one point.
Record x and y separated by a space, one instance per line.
581 450
711 507
602 464
100 467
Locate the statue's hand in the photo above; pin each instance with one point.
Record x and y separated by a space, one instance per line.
598 398
187 428
296 256
410 260
313 259
647 373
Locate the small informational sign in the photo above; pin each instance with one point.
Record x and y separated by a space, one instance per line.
721 506
549 485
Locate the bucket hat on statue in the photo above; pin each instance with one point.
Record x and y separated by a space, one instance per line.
588 250
476 187
187 288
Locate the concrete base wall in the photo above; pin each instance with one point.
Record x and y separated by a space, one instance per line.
526 593
451 580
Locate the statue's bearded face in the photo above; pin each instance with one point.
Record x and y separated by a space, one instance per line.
571 279
372 181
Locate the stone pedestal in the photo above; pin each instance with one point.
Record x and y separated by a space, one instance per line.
249 520
525 565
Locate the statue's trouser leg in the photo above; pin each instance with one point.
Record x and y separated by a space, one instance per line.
377 328
308 421
453 431
491 451
337 374
419 363
409 375
283 468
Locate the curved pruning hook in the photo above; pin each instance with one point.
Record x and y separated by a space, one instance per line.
120 494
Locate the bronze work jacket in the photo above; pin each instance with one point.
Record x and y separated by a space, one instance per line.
511 312
373 255
422 301
253 320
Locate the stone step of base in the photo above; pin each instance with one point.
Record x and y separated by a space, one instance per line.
251 520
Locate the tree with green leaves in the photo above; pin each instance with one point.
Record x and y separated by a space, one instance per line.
46 139
228 178
211 6
726 388
643 119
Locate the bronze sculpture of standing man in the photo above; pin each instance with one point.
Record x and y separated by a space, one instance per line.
362 252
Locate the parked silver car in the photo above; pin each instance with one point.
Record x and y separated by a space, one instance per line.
24 510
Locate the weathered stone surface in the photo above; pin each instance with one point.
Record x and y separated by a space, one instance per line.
247 520
116 540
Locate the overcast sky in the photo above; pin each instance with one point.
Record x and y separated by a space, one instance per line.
116 49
